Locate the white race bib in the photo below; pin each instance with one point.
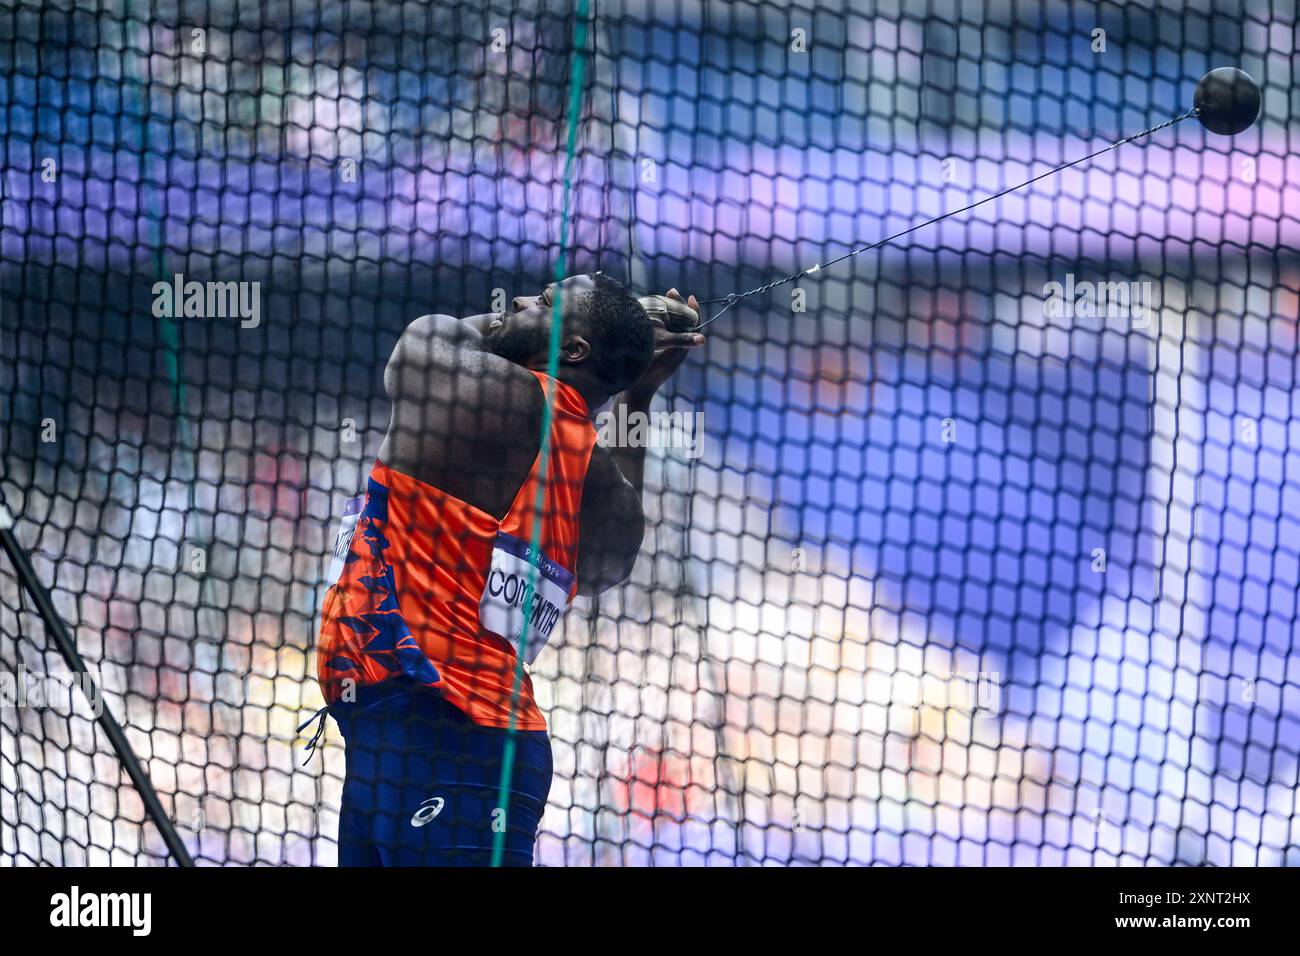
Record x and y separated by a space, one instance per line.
343 541
507 603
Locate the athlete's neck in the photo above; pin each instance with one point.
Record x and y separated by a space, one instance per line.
592 394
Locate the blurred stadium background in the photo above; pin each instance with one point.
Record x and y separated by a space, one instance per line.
905 482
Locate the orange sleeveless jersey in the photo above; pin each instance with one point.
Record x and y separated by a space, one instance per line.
435 589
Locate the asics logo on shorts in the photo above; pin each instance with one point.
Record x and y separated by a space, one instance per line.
427 811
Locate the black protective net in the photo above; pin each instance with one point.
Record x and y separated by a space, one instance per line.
960 567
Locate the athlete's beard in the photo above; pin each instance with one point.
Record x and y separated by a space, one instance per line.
518 344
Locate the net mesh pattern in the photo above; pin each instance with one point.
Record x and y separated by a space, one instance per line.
961 570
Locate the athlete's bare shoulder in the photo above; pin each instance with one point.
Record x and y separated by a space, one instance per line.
464 420
438 352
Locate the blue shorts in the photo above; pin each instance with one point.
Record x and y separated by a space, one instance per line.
422 780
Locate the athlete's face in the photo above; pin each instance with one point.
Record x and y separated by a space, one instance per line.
522 334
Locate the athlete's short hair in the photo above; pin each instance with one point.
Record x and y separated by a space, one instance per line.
619 331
